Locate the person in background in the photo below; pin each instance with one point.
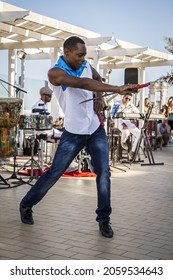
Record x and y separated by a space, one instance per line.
167 111
126 126
42 105
163 133
41 111
164 110
74 80
147 103
42 108
170 112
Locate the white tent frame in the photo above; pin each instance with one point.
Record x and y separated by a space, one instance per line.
21 30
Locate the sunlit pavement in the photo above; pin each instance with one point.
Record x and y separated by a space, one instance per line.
65 226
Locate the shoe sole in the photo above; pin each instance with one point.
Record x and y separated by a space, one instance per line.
107 236
24 221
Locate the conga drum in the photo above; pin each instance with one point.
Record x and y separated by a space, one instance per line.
7 141
44 122
28 122
9 112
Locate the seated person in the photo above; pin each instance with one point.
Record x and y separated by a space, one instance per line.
42 107
164 110
126 126
163 133
167 111
170 112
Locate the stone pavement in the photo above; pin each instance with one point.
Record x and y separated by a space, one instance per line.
65 226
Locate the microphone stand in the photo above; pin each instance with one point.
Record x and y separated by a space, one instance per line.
17 88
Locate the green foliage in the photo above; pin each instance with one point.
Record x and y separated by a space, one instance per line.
169 44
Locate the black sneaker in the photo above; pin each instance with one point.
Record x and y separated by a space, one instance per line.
26 215
106 229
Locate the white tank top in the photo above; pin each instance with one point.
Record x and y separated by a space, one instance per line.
78 118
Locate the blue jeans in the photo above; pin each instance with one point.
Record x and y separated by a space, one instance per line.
68 148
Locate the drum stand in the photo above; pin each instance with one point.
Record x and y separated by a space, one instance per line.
32 162
116 152
114 146
5 183
84 161
145 138
14 175
42 144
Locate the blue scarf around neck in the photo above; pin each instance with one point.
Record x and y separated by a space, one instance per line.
72 72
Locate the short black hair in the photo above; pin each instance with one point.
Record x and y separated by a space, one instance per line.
72 41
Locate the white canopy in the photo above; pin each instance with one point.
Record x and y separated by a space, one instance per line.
21 29
42 37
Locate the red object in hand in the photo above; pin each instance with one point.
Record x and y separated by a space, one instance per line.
141 86
100 119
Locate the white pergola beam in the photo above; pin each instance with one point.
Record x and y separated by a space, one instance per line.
157 54
13 15
34 44
32 30
136 65
117 52
60 25
20 31
38 56
97 41
121 52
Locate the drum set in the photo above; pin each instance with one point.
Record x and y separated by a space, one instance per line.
10 122
36 123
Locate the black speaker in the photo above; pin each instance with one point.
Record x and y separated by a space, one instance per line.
131 76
